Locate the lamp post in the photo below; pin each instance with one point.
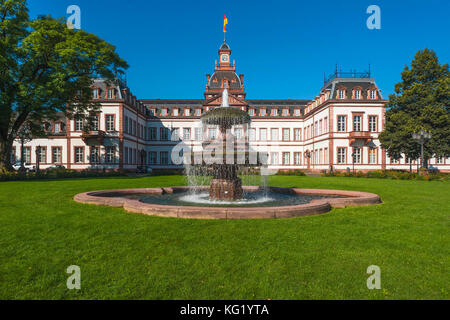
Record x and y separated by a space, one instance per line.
24 136
421 137
143 154
353 161
38 158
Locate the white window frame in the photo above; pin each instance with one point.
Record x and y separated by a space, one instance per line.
286 134
357 155
274 137
274 158
57 155
263 134
186 133
341 124
297 158
79 155
372 123
341 156
357 125
198 134
110 122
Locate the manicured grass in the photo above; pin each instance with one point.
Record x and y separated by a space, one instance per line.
128 256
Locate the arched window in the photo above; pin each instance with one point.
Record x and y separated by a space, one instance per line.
357 93
95 93
341 93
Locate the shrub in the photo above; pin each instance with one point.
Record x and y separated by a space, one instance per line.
392 174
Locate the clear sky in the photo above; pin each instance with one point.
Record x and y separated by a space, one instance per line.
282 47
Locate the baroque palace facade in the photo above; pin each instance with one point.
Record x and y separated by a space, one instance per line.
338 129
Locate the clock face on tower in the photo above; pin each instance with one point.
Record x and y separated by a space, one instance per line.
224 58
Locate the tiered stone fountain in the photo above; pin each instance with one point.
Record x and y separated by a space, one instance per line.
226 185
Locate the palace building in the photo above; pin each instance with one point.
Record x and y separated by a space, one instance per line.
338 129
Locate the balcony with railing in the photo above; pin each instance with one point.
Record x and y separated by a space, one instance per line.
365 136
96 136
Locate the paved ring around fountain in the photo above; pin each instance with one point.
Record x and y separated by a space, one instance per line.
350 198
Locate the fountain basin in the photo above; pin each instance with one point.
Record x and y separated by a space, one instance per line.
324 201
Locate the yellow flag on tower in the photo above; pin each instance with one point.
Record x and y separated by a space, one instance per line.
225 22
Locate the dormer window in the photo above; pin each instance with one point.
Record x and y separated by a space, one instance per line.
110 93
198 112
262 112
285 112
187 112
251 112
373 94
175 112
95 93
164 112
341 94
57 127
357 94
297 112
274 112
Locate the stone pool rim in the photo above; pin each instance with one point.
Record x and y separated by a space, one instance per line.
318 206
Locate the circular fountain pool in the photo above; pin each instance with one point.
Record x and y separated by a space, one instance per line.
272 202
257 198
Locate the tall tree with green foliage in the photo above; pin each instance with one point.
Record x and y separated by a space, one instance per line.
46 68
421 101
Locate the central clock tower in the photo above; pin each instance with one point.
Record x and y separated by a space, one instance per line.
224 56
225 77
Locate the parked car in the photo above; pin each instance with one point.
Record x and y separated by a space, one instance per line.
56 167
143 169
28 167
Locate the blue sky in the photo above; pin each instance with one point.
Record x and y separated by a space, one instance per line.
282 47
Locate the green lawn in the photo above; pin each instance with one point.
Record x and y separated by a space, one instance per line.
129 256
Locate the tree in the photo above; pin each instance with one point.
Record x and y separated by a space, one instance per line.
420 102
46 68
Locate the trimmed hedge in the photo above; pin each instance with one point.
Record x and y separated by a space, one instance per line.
57 174
295 172
392 174
167 172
